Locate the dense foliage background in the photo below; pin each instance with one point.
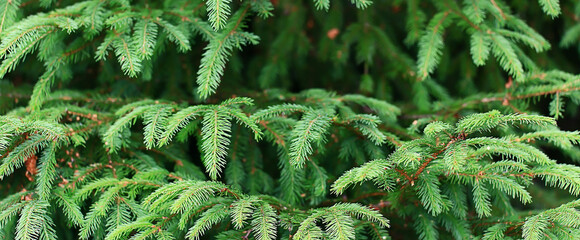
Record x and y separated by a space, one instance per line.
287 119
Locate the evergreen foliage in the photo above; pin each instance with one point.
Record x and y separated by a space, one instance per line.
284 119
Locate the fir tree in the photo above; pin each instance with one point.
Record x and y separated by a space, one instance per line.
284 119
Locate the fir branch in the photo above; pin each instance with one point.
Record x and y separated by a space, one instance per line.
241 211
263 8
186 217
339 226
71 210
131 106
361 4
550 7
556 106
209 218
245 120
96 14
368 171
455 157
291 179
495 232
10 211
34 222
382 108
195 195
98 212
113 137
42 88
126 55
362 213
534 227
561 175
276 110
105 46
47 172
474 10
322 4
155 120
121 20
506 56
8 13
175 35
538 45
425 226
100 184
509 186
415 22
430 194
202 28
215 56
431 43
481 198
218 12
458 199
311 128
264 222
570 36
479 48
215 130
24 46
308 229
145 37
123 231
21 153
178 121
559 138
212 67
486 121
498 9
